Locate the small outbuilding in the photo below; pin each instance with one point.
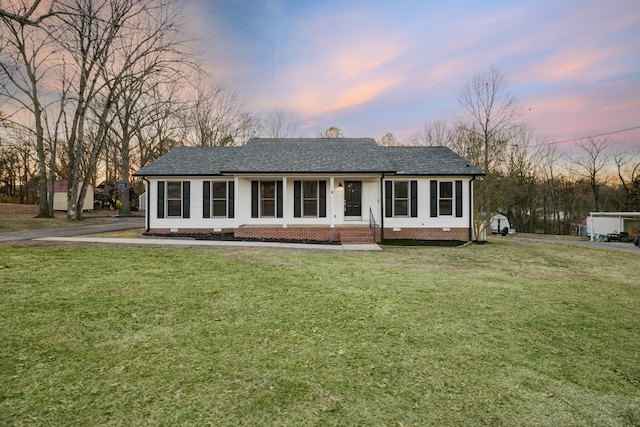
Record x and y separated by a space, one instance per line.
609 225
60 189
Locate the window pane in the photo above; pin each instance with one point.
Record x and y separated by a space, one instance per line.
310 207
268 189
446 190
220 208
174 190
174 207
446 207
401 190
310 189
400 207
268 208
219 190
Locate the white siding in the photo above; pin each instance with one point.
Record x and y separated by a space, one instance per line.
424 218
371 199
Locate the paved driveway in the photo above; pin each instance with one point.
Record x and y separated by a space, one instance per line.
109 224
617 246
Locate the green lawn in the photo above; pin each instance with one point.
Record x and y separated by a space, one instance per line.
502 334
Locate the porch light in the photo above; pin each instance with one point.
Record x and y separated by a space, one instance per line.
340 184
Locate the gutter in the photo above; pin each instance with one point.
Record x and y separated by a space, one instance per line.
146 213
381 208
473 177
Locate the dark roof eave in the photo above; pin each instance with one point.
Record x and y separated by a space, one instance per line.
176 174
306 172
440 174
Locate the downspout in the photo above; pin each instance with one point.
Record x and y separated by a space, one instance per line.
146 213
471 207
381 208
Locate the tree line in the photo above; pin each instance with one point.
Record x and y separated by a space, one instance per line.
92 90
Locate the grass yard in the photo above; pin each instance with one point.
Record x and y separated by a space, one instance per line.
17 217
509 333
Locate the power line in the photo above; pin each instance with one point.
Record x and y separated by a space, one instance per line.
588 136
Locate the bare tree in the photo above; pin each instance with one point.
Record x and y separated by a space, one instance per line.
112 43
436 133
25 60
218 117
491 112
29 13
628 168
280 123
593 163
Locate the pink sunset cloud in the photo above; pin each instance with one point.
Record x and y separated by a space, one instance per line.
389 68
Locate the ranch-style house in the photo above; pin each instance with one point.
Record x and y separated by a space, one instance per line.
347 190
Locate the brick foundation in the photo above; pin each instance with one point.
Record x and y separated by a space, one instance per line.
345 235
312 234
427 234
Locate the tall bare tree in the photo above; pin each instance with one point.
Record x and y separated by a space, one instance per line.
112 44
25 52
592 164
491 112
280 123
218 117
628 168
437 133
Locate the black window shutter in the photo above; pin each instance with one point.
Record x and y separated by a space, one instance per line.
414 199
297 199
388 199
160 199
322 199
279 198
206 199
254 198
458 199
434 198
186 199
230 198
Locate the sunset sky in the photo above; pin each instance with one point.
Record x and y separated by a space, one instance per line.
372 67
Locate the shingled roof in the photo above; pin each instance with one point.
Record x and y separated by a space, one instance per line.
309 155
428 161
190 161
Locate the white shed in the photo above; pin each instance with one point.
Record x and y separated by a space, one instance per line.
604 223
60 196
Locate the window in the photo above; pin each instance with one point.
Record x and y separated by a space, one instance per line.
219 198
174 198
445 200
310 198
400 198
267 199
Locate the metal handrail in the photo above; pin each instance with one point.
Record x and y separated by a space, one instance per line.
372 224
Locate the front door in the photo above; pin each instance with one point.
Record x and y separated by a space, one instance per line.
352 199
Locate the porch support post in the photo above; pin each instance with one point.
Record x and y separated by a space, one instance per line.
284 202
332 204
